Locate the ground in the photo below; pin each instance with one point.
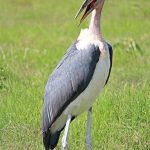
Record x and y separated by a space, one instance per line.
34 35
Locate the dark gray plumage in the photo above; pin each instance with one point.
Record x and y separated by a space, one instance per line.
111 56
67 82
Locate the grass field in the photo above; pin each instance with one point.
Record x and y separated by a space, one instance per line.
34 35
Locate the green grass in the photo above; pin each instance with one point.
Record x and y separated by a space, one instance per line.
34 35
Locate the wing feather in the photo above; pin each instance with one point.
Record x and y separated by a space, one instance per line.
110 56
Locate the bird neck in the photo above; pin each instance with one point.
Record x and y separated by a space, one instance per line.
94 25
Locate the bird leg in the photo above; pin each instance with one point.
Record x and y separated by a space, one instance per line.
89 130
65 136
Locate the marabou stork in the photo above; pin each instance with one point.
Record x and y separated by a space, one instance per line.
77 80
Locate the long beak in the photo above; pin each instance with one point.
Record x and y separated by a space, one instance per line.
89 5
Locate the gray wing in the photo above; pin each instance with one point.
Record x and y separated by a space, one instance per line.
68 81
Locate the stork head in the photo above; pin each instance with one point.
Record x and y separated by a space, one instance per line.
89 6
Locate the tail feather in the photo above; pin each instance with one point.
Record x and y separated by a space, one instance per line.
50 140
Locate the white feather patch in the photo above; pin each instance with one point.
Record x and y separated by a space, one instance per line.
86 37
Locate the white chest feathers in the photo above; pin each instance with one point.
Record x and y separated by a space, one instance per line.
86 37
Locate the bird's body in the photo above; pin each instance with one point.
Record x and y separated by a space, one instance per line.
101 72
75 83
